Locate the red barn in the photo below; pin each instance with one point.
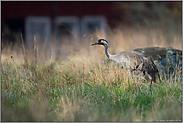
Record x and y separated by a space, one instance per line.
57 20
50 20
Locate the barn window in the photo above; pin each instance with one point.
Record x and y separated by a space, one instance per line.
66 28
38 27
92 24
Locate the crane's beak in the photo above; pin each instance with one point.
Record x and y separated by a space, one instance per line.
96 44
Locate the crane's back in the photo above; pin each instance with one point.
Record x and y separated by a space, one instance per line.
128 59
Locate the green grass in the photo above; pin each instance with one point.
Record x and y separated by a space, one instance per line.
77 91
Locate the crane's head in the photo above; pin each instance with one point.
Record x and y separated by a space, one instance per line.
101 42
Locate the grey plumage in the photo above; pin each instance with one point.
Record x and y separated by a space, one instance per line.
132 60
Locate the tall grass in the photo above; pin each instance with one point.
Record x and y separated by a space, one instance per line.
82 88
67 92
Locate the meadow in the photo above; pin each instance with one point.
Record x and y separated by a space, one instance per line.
81 87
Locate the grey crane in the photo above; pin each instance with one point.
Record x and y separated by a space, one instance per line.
132 60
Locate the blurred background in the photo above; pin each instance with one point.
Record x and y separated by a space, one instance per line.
63 27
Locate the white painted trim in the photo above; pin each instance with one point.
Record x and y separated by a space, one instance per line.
89 19
28 28
68 19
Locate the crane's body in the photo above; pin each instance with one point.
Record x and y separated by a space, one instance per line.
132 60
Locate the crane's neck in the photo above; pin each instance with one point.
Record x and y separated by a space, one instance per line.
112 57
107 52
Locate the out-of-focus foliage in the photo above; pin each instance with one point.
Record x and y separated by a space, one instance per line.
158 14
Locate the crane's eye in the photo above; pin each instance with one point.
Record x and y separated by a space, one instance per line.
101 40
